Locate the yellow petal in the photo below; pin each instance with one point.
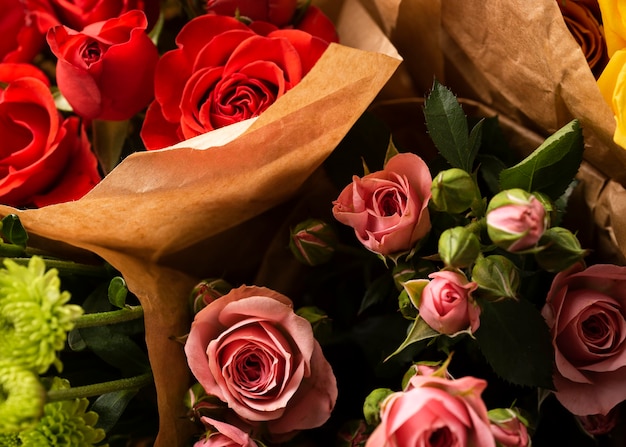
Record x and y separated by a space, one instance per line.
614 20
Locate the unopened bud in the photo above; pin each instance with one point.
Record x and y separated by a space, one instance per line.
371 407
313 242
560 249
497 277
207 291
458 247
353 433
200 404
453 190
516 220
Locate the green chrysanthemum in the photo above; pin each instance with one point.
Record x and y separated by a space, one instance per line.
21 400
34 316
64 424
10 441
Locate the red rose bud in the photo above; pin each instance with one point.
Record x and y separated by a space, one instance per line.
560 249
453 191
313 242
207 291
371 407
458 247
516 220
497 277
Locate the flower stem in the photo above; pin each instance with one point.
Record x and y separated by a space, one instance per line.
97 389
111 317
64 267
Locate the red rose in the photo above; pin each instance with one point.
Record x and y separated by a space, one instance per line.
45 158
278 12
106 71
388 209
21 39
78 14
315 22
250 350
221 73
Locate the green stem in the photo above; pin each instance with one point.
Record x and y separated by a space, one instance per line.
97 389
110 317
64 267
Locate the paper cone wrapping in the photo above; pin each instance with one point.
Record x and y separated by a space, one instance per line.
518 58
208 206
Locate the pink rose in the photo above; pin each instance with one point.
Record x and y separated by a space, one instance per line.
106 71
434 411
388 209
516 220
445 302
585 311
253 352
224 435
507 429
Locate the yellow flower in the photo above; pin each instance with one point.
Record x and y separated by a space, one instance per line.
612 84
614 22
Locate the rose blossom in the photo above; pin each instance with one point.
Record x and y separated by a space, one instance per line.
221 73
388 209
226 435
252 351
507 428
46 159
445 302
434 411
21 39
585 311
106 71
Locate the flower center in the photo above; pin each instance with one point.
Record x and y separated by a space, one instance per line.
442 437
91 53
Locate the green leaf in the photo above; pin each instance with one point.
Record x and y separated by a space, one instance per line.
13 230
110 407
117 292
392 151
515 340
475 141
447 126
551 167
377 292
420 330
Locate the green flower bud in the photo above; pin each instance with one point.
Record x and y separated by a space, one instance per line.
207 291
353 433
64 423
516 220
453 190
34 316
458 247
21 399
497 277
313 242
371 407
560 249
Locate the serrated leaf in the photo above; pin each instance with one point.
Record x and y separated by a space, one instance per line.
447 127
110 407
117 292
13 230
515 340
551 167
420 330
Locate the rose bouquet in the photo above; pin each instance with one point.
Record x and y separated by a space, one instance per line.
294 353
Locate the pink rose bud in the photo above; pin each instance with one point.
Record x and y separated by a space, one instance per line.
207 291
516 220
508 428
454 191
313 242
445 302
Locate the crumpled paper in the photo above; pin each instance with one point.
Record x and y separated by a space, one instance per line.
210 206
518 58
